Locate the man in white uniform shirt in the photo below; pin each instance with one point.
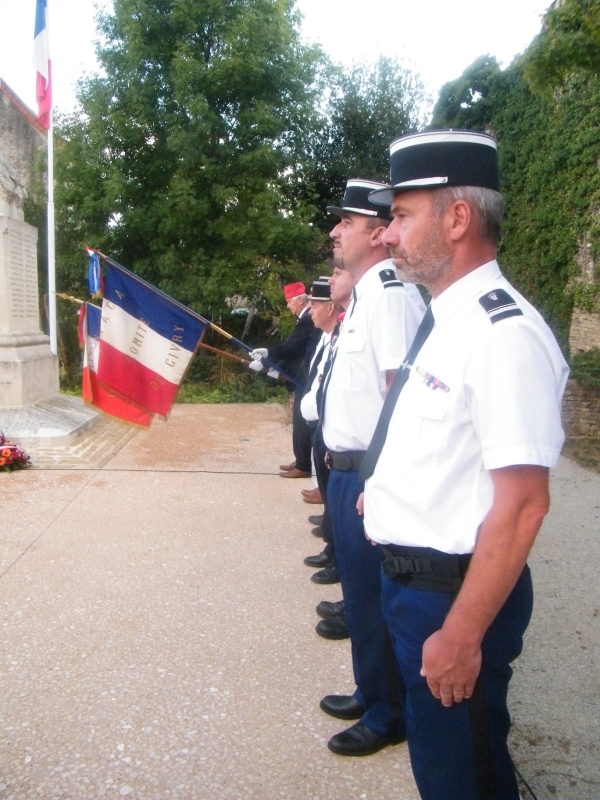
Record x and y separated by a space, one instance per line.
324 316
377 330
457 472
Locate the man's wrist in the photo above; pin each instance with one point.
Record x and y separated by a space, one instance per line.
458 628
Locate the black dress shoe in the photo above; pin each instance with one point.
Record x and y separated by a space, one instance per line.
318 531
359 740
334 628
315 519
342 706
327 575
322 560
327 610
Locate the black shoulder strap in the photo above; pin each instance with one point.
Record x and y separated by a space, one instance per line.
388 278
499 305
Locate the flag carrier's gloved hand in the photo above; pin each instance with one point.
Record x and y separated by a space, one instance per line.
260 352
272 373
257 366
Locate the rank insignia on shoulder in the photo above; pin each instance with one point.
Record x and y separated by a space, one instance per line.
500 305
388 278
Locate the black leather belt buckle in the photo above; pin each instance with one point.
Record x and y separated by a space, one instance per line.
347 461
342 462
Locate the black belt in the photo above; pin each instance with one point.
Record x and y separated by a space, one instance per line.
425 568
348 461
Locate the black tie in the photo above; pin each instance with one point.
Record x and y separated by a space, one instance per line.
313 370
369 463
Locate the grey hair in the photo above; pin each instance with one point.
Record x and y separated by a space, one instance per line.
487 204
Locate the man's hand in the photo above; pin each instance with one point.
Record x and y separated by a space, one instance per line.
360 507
450 666
256 366
360 504
272 373
259 353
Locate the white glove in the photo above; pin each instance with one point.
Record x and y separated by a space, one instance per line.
272 373
256 366
260 352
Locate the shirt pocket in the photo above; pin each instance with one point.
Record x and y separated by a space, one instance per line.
351 354
425 426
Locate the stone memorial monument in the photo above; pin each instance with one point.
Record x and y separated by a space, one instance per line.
32 411
28 369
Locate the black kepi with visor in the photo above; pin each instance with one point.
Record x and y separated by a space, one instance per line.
357 200
440 158
321 290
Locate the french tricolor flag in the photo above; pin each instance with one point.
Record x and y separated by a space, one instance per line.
93 392
147 340
41 61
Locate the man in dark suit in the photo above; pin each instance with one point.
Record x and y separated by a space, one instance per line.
293 355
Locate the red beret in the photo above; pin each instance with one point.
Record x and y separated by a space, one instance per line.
293 290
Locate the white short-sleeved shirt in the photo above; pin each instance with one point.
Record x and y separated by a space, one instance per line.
377 331
308 404
504 377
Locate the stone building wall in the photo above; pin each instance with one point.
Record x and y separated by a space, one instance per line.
585 331
581 411
21 136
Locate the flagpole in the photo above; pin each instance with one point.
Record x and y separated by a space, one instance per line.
51 243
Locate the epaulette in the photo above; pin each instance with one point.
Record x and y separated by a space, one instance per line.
388 278
500 305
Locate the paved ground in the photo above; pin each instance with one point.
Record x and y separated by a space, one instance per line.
157 627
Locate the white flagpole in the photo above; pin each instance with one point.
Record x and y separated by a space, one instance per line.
51 248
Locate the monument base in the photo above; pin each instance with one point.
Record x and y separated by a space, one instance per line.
28 369
51 422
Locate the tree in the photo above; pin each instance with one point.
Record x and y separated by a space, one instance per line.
465 102
569 42
365 108
182 159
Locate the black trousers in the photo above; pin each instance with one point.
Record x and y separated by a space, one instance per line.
322 473
301 443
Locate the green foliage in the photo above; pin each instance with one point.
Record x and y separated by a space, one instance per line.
245 390
364 109
585 368
586 297
181 163
219 380
569 42
468 101
549 175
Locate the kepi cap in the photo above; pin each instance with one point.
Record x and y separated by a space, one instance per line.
440 158
357 200
291 290
321 290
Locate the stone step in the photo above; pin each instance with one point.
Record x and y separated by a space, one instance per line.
92 450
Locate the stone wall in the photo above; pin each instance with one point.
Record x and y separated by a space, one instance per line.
581 411
585 331
21 136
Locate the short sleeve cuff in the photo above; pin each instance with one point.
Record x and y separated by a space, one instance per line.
512 456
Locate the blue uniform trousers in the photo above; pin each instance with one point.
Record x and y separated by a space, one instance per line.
441 740
376 672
